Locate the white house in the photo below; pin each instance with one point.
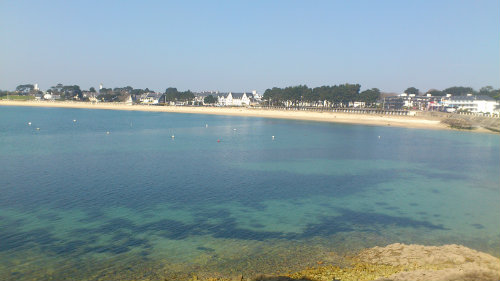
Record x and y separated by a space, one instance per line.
50 96
234 99
150 98
92 96
484 104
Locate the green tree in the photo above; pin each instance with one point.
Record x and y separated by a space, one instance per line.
105 91
92 90
347 93
436 93
171 91
71 92
293 95
137 92
490 91
311 96
209 99
108 96
171 94
273 96
323 93
459 91
186 96
370 97
412 91
26 88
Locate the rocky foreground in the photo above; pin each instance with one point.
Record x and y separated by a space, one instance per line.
409 262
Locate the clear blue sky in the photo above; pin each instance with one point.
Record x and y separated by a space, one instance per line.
245 45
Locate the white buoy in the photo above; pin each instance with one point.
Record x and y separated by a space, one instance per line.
379 137
38 129
74 120
107 133
173 137
206 125
234 129
29 123
273 137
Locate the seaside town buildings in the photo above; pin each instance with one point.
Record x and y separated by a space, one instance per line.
471 103
481 104
449 103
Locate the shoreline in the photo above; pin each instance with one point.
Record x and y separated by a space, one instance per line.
416 122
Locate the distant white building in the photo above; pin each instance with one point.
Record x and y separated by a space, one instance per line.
50 96
129 101
256 95
407 99
234 99
150 98
358 104
484 104
91 96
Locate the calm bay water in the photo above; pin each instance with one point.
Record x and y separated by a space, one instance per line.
79 203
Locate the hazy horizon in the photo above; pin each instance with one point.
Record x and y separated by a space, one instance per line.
246 46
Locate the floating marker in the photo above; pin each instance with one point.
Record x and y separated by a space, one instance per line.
206 125
234 129
379 137
218 140
38 129
74 120
173 137
273 137
107 133
29 123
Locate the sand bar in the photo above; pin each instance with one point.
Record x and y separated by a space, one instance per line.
347 118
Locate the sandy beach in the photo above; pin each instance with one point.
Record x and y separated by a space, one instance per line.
421 122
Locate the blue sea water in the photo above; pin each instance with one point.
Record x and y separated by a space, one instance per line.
112 195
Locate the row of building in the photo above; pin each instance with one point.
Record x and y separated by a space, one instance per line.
222 99
448 103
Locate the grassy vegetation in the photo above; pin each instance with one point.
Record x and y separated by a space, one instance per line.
17 97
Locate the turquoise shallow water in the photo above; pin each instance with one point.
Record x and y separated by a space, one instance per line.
77 202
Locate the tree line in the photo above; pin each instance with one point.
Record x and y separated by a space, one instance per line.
337 95
173 95
462 91
120 94
333 96
344 95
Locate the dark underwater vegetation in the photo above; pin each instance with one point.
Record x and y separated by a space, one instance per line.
77 203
